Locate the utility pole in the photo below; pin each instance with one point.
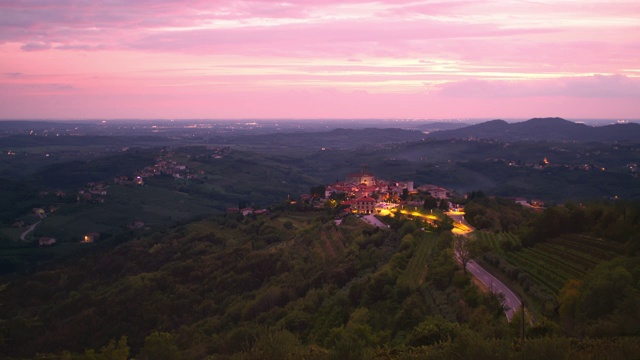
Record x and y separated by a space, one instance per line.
522 323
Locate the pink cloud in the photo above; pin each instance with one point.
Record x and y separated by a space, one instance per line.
322 58
36 46
429 8
597 86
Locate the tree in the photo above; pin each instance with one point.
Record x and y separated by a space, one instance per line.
318 191
274 344
474 195
568 299
113 351
462 250
159 346
432 331
430 202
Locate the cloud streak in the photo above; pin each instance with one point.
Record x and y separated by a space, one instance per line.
403 54
596 86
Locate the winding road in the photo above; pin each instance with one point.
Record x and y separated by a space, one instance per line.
462 227
23 236
511 300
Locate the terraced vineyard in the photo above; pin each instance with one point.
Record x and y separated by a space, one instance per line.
418 265
552 263
498 242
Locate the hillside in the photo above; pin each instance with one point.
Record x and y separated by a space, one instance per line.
542 129
286 285
216 284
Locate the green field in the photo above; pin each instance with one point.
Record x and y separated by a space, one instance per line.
123 204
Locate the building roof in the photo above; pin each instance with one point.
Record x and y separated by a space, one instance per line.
366 199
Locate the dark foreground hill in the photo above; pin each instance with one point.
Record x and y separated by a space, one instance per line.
543 129
285 285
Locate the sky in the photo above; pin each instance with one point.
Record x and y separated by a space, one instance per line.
145 59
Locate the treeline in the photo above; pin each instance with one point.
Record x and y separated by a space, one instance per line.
461 343
495 213
618 222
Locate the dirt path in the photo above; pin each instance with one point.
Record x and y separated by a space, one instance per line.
26 232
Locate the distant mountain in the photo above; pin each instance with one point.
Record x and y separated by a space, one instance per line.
543 129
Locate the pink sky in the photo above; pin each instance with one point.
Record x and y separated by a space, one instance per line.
319 59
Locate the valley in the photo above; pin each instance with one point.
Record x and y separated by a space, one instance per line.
233 243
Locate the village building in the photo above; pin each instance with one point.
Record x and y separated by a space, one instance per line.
537 203
365 205
364 190
136 224
361 178
337 188
435 191
40 212
91 237
46 241
521 201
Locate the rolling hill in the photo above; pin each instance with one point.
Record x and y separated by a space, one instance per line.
542 129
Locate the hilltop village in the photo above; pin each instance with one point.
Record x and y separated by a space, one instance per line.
363 193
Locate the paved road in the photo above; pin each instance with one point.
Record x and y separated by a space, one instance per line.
511 301
460 225
458 218
23 236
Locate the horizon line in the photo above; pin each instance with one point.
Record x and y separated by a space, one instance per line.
324 119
